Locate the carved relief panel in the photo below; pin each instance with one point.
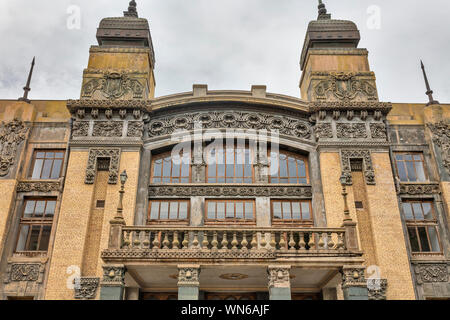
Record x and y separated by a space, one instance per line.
12 134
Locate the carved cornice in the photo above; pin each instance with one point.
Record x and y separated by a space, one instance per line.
12 134
418 188
384 107
86 287
40 186
119 50
74 105
431 272
232 191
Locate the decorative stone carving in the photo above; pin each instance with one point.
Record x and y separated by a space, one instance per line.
25 272
80 128
86 288
369 173
231 191
377 289
94 154
135 129
351 130
188 276
11 136
113 85
323 131
419 189
441 137
345 87
431 272
240 120
353 277
75 105
378 131
361 106
108 129
279 276
39 186
113 275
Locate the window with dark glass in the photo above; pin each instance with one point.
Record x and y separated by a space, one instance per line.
235 211
410 167
171 169
168 210
422 226
36 225
289 168
292 211
230 165
47 164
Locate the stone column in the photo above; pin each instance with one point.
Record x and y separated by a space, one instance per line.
113 283
354 283
188 282
279 282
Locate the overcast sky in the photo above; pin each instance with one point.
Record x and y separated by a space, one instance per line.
227 44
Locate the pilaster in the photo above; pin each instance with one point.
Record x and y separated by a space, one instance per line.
188 282
279 282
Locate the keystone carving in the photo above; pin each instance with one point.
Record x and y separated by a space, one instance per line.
113 85
441 137
279 276
11 136
369 173
344 87
114 159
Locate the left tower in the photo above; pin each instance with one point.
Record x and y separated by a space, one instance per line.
106 140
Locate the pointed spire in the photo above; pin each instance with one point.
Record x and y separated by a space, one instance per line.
323 15
429 92
27 88
132 11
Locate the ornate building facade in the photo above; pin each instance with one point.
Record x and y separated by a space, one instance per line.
333 196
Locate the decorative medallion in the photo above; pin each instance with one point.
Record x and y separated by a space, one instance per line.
233 276
377 289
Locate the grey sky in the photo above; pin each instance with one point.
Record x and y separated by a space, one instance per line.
227 44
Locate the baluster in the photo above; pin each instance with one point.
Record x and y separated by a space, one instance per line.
282 242
312 241
166 241
214 241
205 242
224 242
292 242
330 241
321 242
195 242
126 241
254 242
185 242
273 243
156 241
302 243
341 244
146 242
244 242
175 242
137 239
234 242
263 240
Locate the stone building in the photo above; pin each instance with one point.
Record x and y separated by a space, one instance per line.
334 195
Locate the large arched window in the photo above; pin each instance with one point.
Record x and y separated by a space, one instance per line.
290 168
230 165
169 169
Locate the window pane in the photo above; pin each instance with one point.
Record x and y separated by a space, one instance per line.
164 211
423 239
37 169
249 210
39 210
420 171
176 170
34 238
296 211
183 210
434 239
407 210
292 166
154 211
157 167
185 167
23 235
220 210
29 208
287 211
230 210
402 171
50 208
166 167
45 238
301 168
428 213
173 214
413 239
283 169
47 169
306 211
277 210
56 171
239 210
411 171
59 155
40 155
50 155
417 211
211 210
407 157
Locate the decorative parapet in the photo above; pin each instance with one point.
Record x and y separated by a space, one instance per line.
86 287
431 272
418 188
12 134
279 276
39 186
235 191
114 159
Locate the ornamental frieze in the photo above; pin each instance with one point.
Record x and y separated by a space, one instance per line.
239 120
108 129
378 131
113 85
86 287
382 107
80 129
368 170
430 273
135 129
74 105
29 272
114 159
344 87
441 137
232 191
323 131
419 189
12 134
351 130
39 186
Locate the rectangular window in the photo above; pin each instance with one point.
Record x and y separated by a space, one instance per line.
230 165
230 211
36 225
422 226
410 167
168 169
292 211
47 164
286 167
168 210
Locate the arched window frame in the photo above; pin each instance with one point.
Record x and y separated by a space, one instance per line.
172 179
298 177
